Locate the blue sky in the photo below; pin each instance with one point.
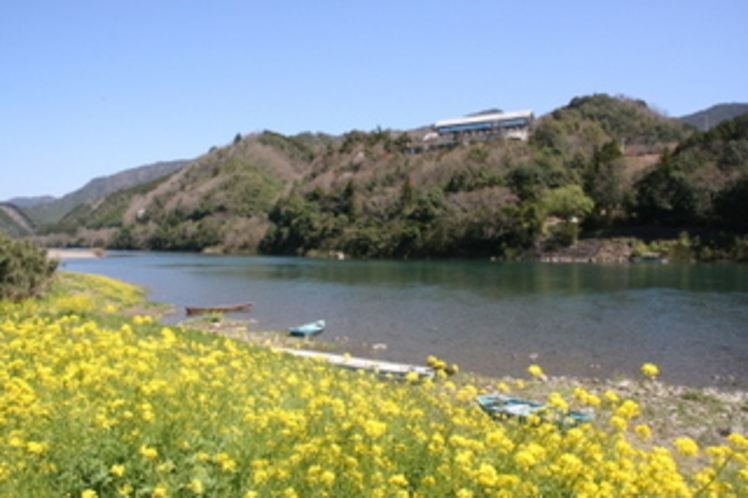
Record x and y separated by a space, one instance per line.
91 88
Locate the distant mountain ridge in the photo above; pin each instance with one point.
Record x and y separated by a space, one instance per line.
357 193
14 221
354 193
711 117
24 202
52 211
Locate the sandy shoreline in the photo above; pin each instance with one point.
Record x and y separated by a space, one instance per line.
74 253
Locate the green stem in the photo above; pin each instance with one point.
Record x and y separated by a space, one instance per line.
716 475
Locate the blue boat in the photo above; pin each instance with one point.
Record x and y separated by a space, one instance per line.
501 407
308 329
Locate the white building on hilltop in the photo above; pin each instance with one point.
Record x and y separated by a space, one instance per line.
511 125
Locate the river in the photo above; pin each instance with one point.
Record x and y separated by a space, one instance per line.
494 318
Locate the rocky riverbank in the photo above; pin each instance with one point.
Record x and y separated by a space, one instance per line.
705 414
592 251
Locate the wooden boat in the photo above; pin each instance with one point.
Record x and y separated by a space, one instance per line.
501 407
308 329
382 368
203 310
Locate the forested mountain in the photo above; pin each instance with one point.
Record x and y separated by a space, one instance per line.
483 199
15 222
597 165
220 199
25 202
55 209
713 116
703 182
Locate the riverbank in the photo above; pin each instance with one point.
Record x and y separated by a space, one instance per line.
164 410
583 320
62 254
705 414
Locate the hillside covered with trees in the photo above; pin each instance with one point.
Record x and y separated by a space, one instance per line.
45 211
597 167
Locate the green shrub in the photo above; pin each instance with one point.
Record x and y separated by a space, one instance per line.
25 269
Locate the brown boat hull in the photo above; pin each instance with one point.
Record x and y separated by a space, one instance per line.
203 310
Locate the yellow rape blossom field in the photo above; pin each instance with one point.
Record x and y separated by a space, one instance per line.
94 403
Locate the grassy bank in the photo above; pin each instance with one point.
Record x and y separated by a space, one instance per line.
98 403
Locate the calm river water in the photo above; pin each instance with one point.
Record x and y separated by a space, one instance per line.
492 318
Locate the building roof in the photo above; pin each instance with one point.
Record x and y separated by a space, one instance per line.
496 118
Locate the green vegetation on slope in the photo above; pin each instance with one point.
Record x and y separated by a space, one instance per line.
701 183
369 199
53 211
598 165
14 221
25 270
221 199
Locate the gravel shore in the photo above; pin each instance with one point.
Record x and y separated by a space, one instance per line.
74 253
705 414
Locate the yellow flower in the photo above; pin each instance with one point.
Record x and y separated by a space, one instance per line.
226 462
738 440
125 490
586 397
196 486
643 431
327 478
412 377
149 452
650 370
36 448
686 446
618 422
374 428
398 480
160 491
260 476
89 493
555 399
428 481
611 396
628 409
535 371
117 470
525 458
487 475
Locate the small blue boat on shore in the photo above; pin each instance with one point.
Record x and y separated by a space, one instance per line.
500 406
308 329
